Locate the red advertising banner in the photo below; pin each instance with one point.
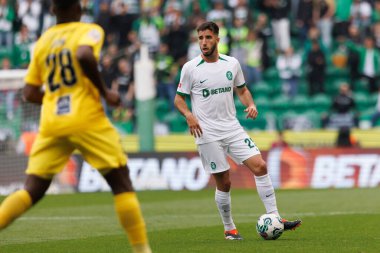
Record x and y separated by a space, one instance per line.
289 168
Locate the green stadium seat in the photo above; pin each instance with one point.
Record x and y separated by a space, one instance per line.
321 103
251 124
280 104
271 73
314 118
261 89
300 103
362 101
176 122
162 108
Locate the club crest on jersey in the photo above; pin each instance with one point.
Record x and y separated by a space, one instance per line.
229 75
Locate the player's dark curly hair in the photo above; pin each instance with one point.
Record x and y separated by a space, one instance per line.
214 28
64 4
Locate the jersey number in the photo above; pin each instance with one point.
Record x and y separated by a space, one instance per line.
65 66
249 142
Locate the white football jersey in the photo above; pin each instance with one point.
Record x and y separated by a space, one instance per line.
210 86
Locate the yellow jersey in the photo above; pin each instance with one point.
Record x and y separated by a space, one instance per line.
71 102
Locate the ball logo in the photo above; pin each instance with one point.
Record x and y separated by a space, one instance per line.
264 228
205 93
229 75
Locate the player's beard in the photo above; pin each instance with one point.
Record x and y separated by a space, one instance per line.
210 52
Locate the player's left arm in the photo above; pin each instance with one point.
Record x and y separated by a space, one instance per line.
244 94
87 55
245 97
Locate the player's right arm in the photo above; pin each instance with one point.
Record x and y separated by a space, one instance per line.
183 90
192 122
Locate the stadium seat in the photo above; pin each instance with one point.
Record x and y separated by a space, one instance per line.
280 104
362 101
162 108
261 89
176 122
300 103
321 103
314 118
250 124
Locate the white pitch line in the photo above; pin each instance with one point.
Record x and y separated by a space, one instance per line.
307 214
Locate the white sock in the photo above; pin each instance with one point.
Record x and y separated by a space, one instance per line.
266 192
223 202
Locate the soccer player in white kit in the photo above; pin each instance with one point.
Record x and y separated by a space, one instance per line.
210 80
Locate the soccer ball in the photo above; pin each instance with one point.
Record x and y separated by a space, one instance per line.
269 226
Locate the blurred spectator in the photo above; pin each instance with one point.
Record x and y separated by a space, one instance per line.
376 116
376 34
9 94
369 59
173 13
195 14
263 32
124 81
343 110
87 11
7 15
23 47
345 139
108 70
353 56
148 31
239 33
224 37
164 74
304 18
29 12
340 51
133 46
123 15
219 12
323 12
125 86
316 63
342 17
252 63
289 67
280 142
193 50
241 10
177 39
46 18
103 18
376 12
361 13
278 11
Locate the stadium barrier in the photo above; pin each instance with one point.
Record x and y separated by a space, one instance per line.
289 169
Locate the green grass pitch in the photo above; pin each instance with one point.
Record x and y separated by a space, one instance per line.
346 220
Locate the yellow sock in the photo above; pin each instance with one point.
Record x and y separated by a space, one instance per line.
129 212
13 206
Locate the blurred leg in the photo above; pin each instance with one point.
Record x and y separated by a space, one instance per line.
128 209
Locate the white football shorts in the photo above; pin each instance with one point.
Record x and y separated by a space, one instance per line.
239 147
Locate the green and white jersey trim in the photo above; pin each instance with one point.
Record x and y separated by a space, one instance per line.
210 86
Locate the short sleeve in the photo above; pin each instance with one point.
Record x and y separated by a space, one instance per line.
239 80
184 86
93 37
33 75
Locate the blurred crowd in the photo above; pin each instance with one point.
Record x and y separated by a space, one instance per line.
295 39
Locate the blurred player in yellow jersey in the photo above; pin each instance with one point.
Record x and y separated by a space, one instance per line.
72 117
